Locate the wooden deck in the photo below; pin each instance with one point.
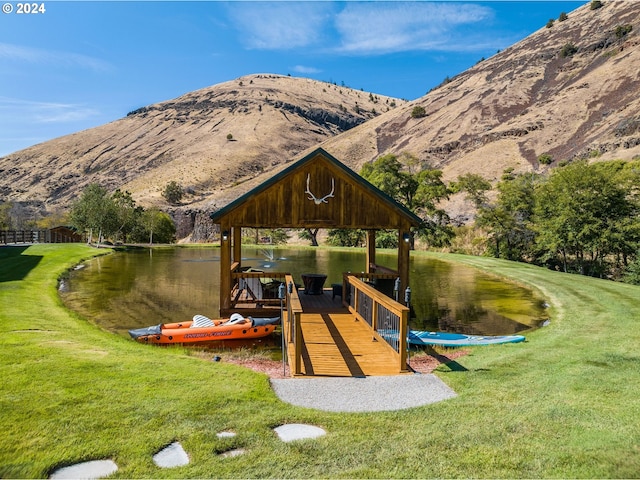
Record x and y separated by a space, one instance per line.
336 344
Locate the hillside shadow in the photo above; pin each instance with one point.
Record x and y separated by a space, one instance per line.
14 266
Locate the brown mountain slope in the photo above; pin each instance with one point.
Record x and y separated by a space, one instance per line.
523 102
208 141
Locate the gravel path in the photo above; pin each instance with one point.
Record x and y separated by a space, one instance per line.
368 394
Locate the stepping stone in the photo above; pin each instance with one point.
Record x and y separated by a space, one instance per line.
87 470
233 453
226 434
298 431
171 456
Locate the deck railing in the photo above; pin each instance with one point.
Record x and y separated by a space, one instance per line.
382 281
387 318
255 288
292 328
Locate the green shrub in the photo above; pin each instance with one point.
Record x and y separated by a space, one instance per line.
418 112
596 4
550 23
545 159
563 16
632 272
568 50
622 30
173 192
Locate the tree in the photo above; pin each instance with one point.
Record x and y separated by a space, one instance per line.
563 16
387 239
18 216
310 234
632 272
173 192
343 237
419 192
476 188
625 244
5 218
54 218
158 224
127 213
583 215
276 236
508 220
94 212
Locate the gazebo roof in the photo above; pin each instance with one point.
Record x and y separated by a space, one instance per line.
317 191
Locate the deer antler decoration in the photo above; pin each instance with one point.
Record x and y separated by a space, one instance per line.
318 201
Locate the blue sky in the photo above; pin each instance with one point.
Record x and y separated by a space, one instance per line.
81 64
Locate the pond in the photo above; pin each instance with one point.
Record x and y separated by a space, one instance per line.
145 287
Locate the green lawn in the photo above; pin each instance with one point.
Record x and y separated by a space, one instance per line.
563 404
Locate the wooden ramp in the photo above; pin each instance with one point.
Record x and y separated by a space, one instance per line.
336 344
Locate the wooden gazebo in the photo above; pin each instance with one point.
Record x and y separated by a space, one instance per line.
318 191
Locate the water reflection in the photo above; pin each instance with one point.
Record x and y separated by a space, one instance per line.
149 286
453 298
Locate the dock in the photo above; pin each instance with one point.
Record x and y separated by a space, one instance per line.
335 341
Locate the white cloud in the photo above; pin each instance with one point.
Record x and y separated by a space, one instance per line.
370 28
305 70
363 28
40 56
280 25
44 112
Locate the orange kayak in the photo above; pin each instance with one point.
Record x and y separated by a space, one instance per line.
203 330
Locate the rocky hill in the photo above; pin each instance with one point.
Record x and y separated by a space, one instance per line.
570 90
209 141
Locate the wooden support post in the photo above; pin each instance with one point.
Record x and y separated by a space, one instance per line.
404 325
371 250
237 245
403 260
225 268
298 344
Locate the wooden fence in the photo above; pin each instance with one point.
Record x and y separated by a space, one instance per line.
54 235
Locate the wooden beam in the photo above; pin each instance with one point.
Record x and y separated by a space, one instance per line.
225 267
404 327
403 260
371 250
237 245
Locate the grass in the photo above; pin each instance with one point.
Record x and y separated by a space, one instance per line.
563 404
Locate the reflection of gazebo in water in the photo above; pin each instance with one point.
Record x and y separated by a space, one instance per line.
320 192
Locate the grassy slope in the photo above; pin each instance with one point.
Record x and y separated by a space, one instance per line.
563 404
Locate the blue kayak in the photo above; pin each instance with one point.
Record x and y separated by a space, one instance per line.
444 339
